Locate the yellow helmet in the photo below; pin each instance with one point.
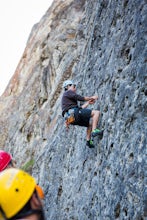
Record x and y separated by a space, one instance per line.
16 187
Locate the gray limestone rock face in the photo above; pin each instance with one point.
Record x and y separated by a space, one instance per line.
102 46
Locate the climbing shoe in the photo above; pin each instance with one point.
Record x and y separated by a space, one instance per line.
96 132
90 144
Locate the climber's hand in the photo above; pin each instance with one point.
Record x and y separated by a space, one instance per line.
91 101
95 97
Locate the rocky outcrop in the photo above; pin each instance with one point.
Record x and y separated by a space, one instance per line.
101 45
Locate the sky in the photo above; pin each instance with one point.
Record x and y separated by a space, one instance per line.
17 18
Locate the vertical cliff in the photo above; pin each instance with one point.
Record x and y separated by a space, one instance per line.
101 45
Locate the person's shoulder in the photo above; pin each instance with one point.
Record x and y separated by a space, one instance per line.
67 92
70 92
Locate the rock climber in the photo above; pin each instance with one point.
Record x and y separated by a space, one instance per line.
19 198
81 115
6 161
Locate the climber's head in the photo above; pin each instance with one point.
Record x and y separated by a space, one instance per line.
5 160
69 84
19 198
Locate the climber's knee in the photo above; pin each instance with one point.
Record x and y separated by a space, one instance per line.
95 113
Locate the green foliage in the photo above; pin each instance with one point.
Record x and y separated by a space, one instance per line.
28 165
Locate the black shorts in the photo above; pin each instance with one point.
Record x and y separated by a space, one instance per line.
82 116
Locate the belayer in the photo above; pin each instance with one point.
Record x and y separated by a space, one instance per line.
19 198
80 115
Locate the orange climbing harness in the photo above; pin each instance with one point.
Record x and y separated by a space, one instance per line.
69 117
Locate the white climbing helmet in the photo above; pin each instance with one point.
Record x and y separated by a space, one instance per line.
68 82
